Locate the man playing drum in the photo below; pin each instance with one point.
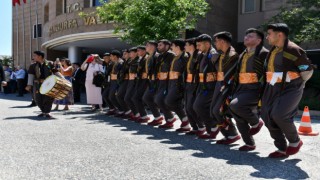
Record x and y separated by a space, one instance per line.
37 73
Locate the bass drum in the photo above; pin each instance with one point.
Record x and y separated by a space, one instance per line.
55 87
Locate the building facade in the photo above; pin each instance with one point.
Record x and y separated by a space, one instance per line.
61 32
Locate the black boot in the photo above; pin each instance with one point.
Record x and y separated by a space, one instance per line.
33 103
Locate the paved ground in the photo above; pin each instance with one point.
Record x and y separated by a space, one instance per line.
82 145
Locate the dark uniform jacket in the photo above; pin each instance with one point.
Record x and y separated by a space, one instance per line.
116 70
79 76
294 59
124 71
163 66
206 66
229 64
133 65
151 63
42 71
142 66
255 64
192 66
108 68
178 65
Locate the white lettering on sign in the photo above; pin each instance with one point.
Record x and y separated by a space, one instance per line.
73 8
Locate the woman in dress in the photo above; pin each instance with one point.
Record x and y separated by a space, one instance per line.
66 70
92 65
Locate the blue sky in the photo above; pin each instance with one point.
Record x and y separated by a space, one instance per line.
6 26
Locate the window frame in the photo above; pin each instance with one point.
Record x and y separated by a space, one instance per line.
244 5
34 34
92 3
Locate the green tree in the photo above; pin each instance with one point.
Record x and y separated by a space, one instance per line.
303 18
6 60
142 20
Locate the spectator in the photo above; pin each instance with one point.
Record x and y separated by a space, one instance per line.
93 65
66 70
1 75
7 74
20 75
13 81
78 79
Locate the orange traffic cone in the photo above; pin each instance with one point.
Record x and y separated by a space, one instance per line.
305 125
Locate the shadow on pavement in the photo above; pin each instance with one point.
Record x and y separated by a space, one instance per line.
26 97
266 167
35 118
19 107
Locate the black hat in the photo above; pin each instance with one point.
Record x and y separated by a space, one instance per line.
39 53
116 53
254 30
141 47
191 41
279 27
179 42
165 41
134 49
152 42
106 54
204 38
125 50
224 35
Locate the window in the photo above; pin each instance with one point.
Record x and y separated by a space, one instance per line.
37 31
87 4
97 2
248 6
60 8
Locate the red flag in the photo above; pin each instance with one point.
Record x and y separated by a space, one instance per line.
25 1
14 2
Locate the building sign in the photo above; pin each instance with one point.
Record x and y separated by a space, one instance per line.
68 24
73 23
73 8
92 20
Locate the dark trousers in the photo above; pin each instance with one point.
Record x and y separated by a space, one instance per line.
44 102
76 91
141 87
244 107
7 89
218 100
129 94
112 96
160 100
174 99
105 96
189 99
149 99
20 83
279 106
202 105
13 86
33 101
121 93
